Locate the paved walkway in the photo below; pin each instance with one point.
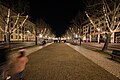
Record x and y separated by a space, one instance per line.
100 59
31 49
60 62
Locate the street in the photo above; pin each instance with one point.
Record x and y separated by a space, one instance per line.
60 62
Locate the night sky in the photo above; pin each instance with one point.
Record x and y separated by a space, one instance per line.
56 13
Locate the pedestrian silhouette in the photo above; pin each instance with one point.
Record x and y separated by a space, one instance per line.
19 63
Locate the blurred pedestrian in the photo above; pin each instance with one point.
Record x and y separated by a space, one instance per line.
4 62
19 64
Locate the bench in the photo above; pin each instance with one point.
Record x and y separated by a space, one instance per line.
115 54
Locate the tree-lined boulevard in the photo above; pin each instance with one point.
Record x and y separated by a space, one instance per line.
87 47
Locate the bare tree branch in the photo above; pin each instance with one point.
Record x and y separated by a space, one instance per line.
15 23
21 23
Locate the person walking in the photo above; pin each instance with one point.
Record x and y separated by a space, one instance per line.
19 64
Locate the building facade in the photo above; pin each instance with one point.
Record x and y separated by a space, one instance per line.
97 33
17 30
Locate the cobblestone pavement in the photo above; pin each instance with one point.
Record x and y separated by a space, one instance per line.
60 62
111 46
100 59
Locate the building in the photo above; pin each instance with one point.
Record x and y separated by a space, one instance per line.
97 33
18 32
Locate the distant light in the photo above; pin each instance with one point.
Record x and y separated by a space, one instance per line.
63 38
49 37
28 31
68 37
98 29
76 36
40 35
84 38
55 38
46 36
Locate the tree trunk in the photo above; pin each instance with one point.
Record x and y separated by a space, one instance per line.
80 41
35 40
99 38
7 39
113 37
36 37
105 47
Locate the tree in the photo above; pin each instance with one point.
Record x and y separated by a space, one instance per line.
36 30
109 9
78 23
79 20
110 14
93 12
42 29
6 16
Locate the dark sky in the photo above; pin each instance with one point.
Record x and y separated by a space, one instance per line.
56 13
